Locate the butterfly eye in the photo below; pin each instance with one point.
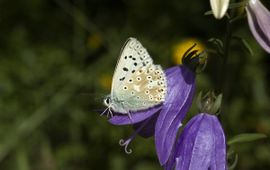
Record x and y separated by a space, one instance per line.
107 101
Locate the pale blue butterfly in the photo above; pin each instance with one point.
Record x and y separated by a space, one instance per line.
137 83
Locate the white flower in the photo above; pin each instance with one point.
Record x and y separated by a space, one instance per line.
219 7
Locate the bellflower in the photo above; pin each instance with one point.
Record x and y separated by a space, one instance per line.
219 7
201 146
163 121
259 23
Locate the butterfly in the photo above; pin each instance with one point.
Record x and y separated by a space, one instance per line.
137 83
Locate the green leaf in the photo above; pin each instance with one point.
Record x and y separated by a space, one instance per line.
244 44
238 17
238 4
245 137
216 41
218 44
199 101
235 161
217 104
230 152
208 12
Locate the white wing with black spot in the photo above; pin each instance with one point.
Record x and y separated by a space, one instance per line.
137 83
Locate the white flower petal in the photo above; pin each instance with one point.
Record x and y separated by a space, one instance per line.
219 7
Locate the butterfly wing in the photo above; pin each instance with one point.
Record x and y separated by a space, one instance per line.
129 61
137 83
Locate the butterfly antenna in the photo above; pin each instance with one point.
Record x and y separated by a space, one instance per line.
104 111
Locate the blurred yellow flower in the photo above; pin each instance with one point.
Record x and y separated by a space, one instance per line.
105 81
180 48
94 41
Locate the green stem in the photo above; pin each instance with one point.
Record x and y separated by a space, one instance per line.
227 44
223 74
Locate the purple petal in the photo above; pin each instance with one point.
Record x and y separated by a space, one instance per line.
200 146
124 119
181 87
192 130
218 158
148 128
259 23
202 149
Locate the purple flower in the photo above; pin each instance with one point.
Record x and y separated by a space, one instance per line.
201 145
163 121
259 23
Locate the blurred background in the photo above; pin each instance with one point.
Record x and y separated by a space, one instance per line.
57 59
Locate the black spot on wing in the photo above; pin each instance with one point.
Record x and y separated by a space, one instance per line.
122 79
125 69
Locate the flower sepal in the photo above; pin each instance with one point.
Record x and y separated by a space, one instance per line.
209 103
195 60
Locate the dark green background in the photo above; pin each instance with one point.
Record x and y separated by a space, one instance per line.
50 80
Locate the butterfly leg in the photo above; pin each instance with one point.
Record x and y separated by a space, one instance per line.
129 115
110 112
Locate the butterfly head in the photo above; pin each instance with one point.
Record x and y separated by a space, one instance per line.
115 105
108 102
